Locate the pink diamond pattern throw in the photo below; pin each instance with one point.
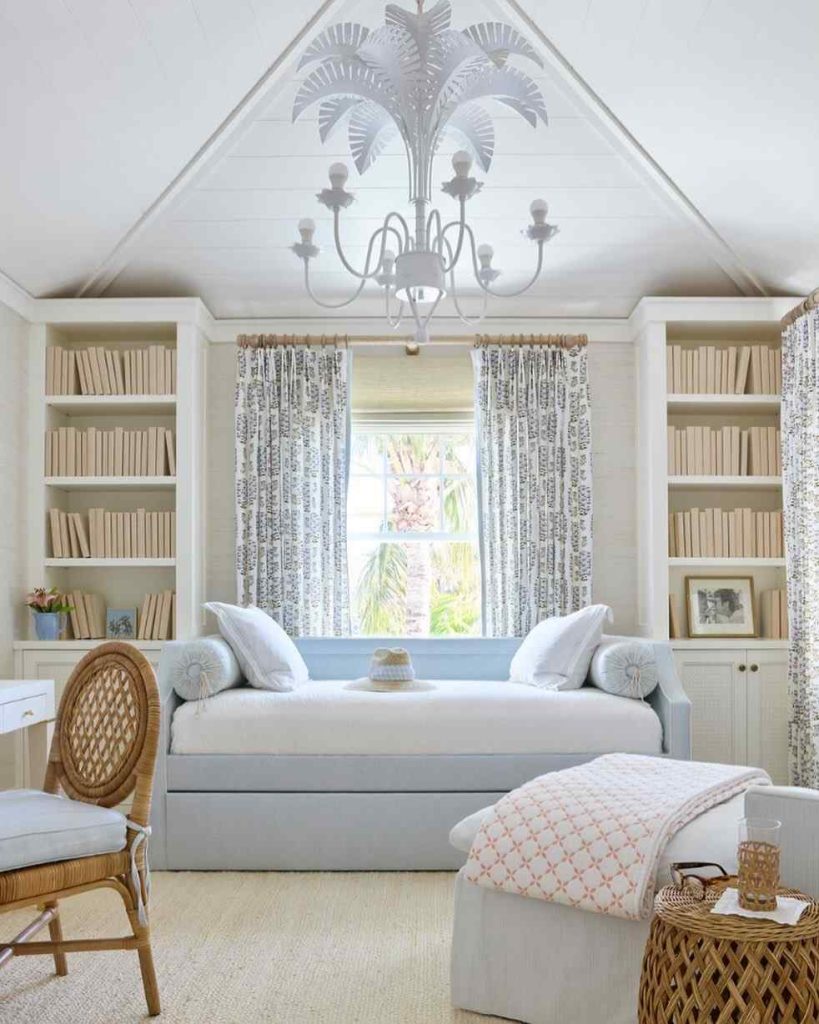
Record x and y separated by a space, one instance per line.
591 836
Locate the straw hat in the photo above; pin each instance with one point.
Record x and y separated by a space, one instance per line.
391 665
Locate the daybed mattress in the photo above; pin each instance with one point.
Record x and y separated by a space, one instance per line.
456 717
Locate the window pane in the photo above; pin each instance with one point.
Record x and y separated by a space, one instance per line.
366 454
413 504
365 508
415 588
459 454
412 453
459 505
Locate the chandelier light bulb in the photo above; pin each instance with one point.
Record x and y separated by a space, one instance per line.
387 261
538 210
461 163
338 175
485 254
307 227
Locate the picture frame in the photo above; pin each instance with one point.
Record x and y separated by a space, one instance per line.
722 607
121 623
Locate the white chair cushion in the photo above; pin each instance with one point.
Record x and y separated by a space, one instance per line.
40 828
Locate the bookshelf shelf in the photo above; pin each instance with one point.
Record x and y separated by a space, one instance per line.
726 563
721 404
113 405
732 483
110 563
110 483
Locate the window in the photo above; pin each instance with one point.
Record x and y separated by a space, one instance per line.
412 532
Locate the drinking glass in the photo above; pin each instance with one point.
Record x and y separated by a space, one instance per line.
758 858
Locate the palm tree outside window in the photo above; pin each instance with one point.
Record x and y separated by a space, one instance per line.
412 531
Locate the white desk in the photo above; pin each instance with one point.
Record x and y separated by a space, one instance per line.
27 706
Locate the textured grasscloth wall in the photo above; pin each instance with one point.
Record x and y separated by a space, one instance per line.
13 391
611 368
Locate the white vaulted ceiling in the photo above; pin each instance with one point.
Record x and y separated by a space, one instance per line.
679 158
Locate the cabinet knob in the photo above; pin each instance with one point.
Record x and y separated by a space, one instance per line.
742 668
754 668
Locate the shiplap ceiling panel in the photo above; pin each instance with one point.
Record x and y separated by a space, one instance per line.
104 102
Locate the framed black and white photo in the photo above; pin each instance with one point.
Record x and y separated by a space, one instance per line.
720 606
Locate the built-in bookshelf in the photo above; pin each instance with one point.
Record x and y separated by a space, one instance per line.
711 501
115 450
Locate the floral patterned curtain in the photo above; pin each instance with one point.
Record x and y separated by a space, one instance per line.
533 425
800 469
292 439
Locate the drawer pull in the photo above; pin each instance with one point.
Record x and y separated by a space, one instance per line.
754 668
28 714
742 668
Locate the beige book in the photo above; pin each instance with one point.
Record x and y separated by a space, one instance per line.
81 607
92 532
716 531
73 615
777 354
770 438
669 369
747 533
108 535
167 520
696 543
173 534
100 355
766 613
118 440
119 375
173 615
759 539
161 386
170 448
151 450
672 539
707 525
152 382
672 467
169 390
743 453
710 370
140 532
755 375
765 370
49 453
82 535
726 549
674 628
143 618
81 371
71 373
155 533
150 616
56 540
164 631
743 366
127 379
91 463
695 372
92 610
173 392
731 378
784 629
689 534
679 453
159 466
679 530
49 370
732 533
127 469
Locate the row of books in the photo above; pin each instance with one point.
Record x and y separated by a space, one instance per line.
713 370
105 371
724 451
720 533
101 534
72 451
157 617
773 606
87 615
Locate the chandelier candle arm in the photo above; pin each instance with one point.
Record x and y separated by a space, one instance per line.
328 305
420 79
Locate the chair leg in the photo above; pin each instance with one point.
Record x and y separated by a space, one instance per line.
142 934
55 931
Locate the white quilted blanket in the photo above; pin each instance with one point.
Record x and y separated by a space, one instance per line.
591 836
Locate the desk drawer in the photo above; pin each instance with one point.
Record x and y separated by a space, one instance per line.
18 714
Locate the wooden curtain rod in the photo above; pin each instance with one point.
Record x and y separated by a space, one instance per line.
555 340
811 302
272 340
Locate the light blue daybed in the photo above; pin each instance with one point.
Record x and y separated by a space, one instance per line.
354 812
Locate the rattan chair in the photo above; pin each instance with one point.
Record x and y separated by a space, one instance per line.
104 749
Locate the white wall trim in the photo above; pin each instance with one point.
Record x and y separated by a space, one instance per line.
124 310
15 296
662 309
118 258
639 159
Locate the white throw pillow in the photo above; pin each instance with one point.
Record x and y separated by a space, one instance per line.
556 653
626 668
268 657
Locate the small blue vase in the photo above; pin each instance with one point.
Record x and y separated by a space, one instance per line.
47 625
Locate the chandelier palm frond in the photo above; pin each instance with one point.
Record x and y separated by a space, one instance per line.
417 77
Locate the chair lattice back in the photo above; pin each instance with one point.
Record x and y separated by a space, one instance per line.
107 730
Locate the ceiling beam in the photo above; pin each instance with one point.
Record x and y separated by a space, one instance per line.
15 297
639 159
118 258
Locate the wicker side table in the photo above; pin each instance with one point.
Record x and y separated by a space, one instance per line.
702 967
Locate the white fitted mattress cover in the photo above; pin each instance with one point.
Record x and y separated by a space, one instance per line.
456 717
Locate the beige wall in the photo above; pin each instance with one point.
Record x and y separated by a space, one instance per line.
612 373
13 391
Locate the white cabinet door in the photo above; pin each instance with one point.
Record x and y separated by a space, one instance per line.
768 712
715 684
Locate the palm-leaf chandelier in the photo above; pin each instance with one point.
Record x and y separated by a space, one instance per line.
420 79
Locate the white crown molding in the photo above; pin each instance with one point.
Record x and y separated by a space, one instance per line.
15 297
765 311
639 159
117 259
